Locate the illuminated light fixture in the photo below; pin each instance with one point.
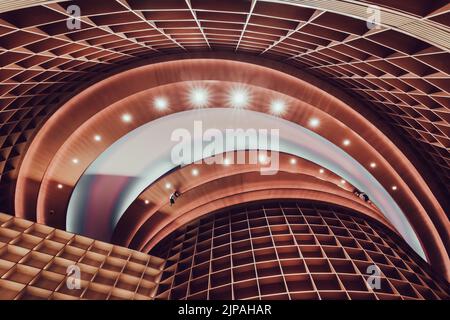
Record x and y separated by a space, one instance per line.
343 181
199 97
373 165
194 172
321 170
160 103
98 137
75 161
277 107
394 188
168 185
226 161
293 161
346 142
146 201
60 186
127 117
262 158
238 98
314 122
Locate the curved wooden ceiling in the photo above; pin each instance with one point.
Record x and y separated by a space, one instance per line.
398 72
49 158
218 186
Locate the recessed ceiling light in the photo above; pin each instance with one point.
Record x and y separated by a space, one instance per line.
293 161
373 165
160 103
321 170
98 137
146 201
194 172
343 181
75 160
238 98
168 185
277 107
127 117
346 142
314 122
60 186
262 158
394 188
199 97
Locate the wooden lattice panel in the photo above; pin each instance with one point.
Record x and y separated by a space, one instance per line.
289 250
34 259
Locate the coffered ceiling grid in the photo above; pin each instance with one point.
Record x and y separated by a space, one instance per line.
405 79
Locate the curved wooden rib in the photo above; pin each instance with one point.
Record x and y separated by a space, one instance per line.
156 196
230 190
297 194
